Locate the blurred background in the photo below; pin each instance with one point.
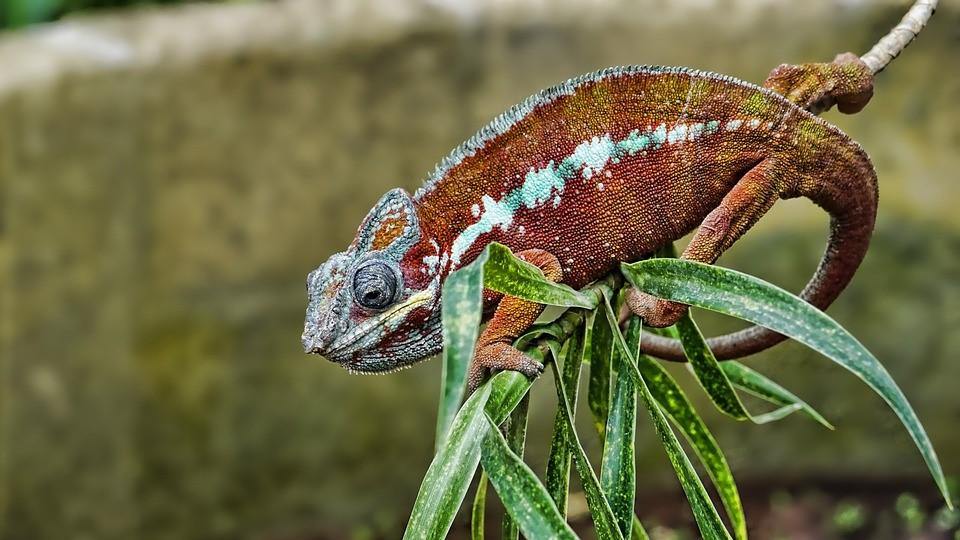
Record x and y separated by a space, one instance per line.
169 175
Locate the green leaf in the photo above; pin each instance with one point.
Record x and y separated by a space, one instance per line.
516 427
603 519
703 510
600 347
479 506
618 470
760 386
522 494
707 370
713 379
675 404
558 463
461 310
507 274
711 376
448 478
749 298
638 532
449 475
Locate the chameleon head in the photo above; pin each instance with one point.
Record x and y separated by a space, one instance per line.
375 307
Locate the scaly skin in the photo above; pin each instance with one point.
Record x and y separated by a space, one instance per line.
605 168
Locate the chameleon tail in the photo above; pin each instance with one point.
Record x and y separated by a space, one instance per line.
845 185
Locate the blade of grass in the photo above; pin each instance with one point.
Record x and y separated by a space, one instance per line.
618 471
558 463
757 384
516 439
704 512
478 509
708 372
603 518
749 298
522 494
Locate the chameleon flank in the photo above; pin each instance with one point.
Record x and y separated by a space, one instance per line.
604 168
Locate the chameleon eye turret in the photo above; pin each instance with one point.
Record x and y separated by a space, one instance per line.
375 284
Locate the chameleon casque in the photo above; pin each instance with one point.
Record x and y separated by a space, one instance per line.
604 168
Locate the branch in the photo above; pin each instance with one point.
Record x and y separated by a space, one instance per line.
897 40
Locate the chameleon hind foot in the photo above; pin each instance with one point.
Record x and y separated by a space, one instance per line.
846 82
655 312
511 318
500 356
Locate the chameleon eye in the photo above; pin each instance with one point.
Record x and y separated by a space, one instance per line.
374 285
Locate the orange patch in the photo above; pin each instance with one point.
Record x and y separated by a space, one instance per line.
390 229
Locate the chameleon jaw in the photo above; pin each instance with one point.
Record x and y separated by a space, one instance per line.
342 347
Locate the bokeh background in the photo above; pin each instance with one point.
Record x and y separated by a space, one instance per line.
169 175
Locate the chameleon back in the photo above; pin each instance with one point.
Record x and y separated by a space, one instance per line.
605 168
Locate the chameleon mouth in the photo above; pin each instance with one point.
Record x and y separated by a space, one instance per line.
341 348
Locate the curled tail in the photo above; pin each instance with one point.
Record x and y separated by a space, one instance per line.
842 182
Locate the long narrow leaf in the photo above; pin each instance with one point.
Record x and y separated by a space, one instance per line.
675 404
522 494
757 384
714 380
618 470
749 298
638 532
478 509
558 463
703 510
516 439
507 274
449 475
707 370
461 309
598 386
447 479
603 519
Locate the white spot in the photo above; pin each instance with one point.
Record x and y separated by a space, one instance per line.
733 125
556 201
600 186
522 229
753 123
608 174
475 210
593 155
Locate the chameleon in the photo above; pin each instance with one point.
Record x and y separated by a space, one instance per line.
607 167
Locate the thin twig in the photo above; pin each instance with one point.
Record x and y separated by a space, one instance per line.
902 34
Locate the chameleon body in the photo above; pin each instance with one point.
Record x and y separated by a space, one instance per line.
604 168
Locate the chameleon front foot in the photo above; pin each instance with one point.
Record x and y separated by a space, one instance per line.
655 312
499 356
